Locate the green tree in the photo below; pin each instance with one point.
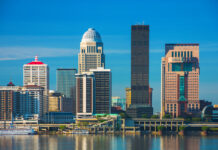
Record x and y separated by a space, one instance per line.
182 128
160 128
145 116
123 115
98 117
204 128
85 123
154 116
196 119
167 116
62 127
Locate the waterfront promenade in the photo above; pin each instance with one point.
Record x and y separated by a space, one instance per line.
134 126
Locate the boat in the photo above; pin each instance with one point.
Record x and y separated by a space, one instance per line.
80 131
16 131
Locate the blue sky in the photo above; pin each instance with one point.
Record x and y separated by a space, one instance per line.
53 30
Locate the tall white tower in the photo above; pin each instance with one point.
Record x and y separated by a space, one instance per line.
91 54
37 73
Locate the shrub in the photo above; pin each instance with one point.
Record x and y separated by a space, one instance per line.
105 115
154 116
167 116
85 123
182 128
62 127
98 117
102 120
196 119
123 115
205 128
213 129
160 128
145 116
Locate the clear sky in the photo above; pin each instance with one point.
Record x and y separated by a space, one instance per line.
53 31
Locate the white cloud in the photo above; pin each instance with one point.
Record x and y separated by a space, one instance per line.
129 51
114 51
13 53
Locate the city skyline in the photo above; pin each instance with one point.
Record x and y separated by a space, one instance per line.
21 45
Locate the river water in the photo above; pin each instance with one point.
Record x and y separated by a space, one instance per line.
107 142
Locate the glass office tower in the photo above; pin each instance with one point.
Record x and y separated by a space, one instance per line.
66 85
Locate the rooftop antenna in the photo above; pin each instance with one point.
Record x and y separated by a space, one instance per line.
36 58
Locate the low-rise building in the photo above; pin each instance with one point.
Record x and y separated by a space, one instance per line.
119 102
55 101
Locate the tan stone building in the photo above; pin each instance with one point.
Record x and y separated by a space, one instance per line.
91 54
180 80
128 97
55 102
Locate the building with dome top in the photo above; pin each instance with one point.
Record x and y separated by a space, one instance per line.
91 54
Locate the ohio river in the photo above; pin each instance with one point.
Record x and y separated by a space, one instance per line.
107 142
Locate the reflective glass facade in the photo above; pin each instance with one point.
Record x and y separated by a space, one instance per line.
66 85
66 81
181 88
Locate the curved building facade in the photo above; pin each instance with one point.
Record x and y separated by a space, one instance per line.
91 54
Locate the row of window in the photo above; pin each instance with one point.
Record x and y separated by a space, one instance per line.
185 54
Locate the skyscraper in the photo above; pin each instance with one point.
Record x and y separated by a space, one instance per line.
66 85
91 53
180 80
140 64
85 94
37 73
139 72
103 90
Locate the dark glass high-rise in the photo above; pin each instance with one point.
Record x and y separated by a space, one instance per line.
139 72
140 64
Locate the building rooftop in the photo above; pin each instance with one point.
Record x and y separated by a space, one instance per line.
10 84
91 36
183 44
36 62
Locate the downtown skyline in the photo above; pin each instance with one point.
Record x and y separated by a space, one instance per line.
60 48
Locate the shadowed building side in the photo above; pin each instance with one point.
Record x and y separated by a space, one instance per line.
139 72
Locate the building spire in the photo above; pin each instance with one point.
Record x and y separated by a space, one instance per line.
36 58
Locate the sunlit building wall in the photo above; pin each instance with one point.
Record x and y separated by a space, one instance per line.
180 79
91 54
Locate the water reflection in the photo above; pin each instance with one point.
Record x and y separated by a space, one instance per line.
107 142
180 142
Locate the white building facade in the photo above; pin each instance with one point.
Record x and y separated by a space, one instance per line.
85 94
37 73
